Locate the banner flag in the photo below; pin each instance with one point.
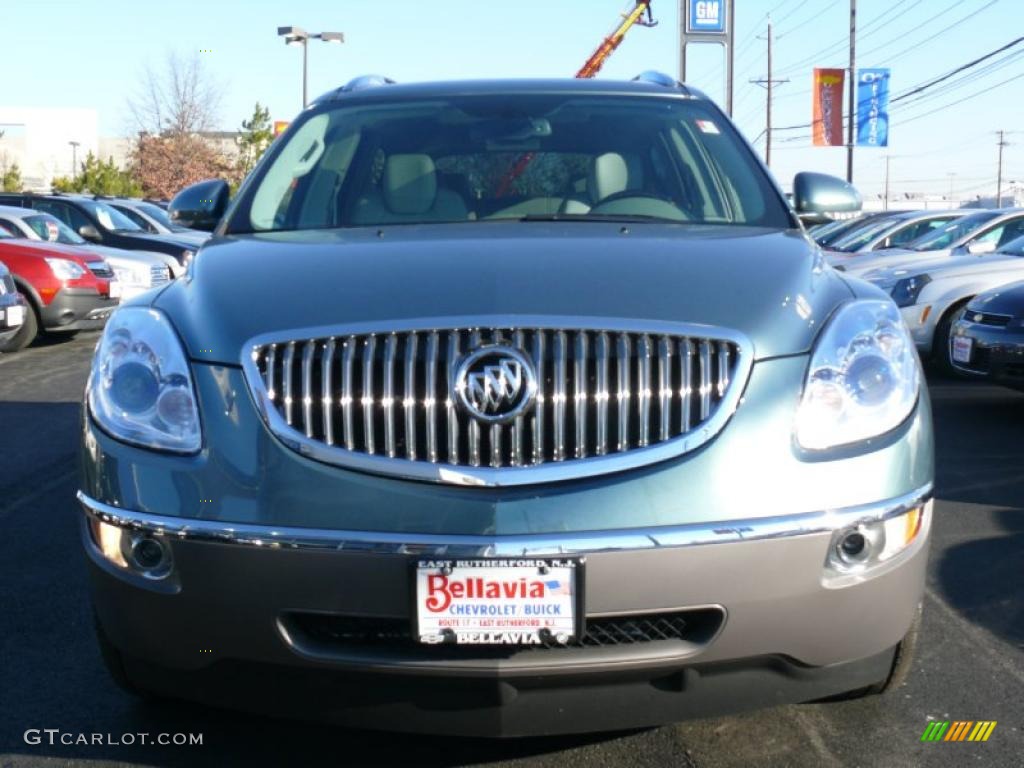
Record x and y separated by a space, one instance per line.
827 107
873 107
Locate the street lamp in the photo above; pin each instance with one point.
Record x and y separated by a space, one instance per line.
74 158
299 36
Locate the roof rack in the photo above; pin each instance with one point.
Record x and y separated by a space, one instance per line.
657 78
366 81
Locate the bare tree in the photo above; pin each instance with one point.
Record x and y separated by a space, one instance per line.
180 99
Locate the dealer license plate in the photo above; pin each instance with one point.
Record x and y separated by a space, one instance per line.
526 601
115 289
15 316
962 346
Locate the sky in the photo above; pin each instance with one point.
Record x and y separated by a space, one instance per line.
92 53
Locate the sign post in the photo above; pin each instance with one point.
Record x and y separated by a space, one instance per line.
708 21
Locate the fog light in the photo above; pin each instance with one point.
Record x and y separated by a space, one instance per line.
858 549
856 546
149 556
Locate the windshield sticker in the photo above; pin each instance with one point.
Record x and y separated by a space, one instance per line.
52 232
706 126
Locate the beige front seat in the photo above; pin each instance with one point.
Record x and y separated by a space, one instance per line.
409 193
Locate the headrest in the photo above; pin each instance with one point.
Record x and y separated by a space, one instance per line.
410 183
608 175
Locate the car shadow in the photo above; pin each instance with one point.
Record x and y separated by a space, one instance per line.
979 458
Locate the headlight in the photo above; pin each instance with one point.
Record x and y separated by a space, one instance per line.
906 291
65 269
863 379
186 257
140 389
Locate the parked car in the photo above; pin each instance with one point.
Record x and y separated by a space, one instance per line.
829 233
12 307
932 292
99 223
987 341
976 234
437 438
137 271
893 231
67 289
152 218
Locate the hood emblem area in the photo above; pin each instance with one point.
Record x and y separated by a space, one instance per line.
495 383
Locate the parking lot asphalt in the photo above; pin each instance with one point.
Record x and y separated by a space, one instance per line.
970 662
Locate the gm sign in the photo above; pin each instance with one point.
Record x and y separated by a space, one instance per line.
706 16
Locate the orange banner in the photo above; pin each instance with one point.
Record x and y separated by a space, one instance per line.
827 107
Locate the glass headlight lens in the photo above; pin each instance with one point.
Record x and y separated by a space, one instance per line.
906 291
140 388
65 269
864 377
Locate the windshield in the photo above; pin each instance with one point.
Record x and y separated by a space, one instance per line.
523 157
159 215
53 229
946 236
1014 247
109 217
857 238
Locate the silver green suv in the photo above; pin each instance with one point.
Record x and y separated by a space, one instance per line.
507 408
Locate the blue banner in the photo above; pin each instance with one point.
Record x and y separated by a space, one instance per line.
873 107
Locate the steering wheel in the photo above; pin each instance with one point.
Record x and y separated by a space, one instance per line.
629 194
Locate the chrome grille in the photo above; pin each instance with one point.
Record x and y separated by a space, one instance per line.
159 274
100 269
382 401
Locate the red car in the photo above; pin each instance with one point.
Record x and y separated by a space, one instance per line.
68 289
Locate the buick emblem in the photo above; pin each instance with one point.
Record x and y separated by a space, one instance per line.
495 383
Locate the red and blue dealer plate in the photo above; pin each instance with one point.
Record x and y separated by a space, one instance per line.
528 601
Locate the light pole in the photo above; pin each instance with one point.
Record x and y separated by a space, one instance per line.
74 158
299 36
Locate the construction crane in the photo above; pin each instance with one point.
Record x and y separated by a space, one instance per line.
635 17
639 15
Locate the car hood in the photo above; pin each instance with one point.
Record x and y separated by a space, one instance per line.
947 266
26 247
143 257
1005 300
181 241
770 285
863 264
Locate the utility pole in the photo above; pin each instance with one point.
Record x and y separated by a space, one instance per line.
885 207
767 83
853 91
999 174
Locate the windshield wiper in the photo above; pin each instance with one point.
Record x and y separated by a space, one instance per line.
598 217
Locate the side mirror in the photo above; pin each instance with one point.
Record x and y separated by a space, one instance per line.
200 205
817 194
980 249
89 232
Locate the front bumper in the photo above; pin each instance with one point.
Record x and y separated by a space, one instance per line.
780 631
997 353
77 309
921 322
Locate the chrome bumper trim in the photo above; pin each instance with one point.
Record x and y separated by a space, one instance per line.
580 542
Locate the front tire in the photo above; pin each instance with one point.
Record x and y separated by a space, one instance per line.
26 334
940 343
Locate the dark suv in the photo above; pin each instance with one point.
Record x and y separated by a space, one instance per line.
99 222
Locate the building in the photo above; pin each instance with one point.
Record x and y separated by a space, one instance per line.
39 140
